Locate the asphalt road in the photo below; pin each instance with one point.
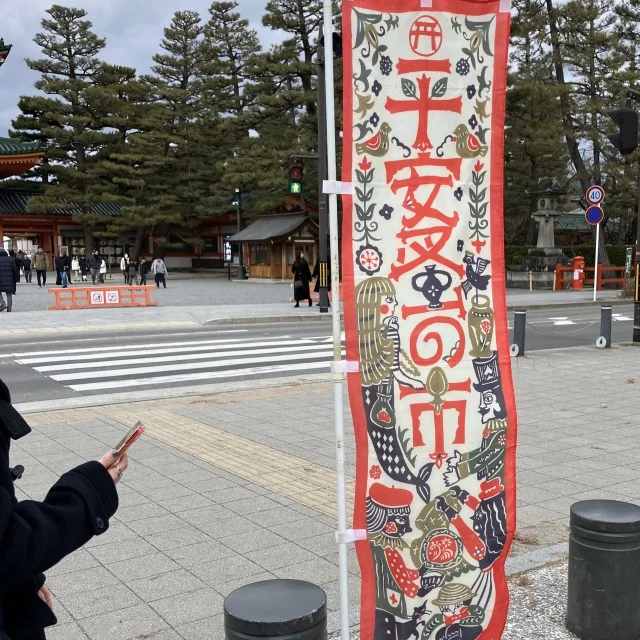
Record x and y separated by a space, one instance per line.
59 367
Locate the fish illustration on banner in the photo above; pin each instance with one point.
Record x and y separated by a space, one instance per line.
425 314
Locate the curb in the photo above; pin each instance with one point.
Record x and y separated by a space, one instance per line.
327 317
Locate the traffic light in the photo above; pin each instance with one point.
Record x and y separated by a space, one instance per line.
295 179
627 120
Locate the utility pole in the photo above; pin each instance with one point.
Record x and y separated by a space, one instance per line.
626 141
323 248
242 274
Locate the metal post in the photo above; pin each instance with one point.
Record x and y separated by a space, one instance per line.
605 325
323 248
519 332
338 378
242 275
595 282
636 306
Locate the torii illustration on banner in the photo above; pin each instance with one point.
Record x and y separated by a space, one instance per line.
425 314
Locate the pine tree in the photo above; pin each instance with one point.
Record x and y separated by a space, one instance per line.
65 117
534 141
170 137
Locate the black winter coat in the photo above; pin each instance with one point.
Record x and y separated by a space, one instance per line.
35 536
63 263
301 273
9 273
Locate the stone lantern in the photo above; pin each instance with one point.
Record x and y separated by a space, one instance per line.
548 193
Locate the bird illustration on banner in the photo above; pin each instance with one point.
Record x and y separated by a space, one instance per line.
378 146
467 144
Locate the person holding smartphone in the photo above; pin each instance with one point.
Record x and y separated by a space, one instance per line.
35 536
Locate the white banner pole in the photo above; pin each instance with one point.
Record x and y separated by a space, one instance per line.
338 377
595 281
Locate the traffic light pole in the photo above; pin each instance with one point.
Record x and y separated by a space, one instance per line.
242 274
323 257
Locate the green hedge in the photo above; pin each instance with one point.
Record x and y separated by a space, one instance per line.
617 254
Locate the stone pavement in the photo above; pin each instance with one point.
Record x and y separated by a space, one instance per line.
235 487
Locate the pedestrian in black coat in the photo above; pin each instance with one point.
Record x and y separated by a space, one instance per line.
35 536
8 278
301 280
63 269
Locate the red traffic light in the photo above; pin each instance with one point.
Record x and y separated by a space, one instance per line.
295 174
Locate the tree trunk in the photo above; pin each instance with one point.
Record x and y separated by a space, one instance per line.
137 245
565 101
89 240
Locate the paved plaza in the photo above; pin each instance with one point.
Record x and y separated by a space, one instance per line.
232 487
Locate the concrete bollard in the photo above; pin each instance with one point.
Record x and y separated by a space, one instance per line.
604 570
519 333
606 318
276 610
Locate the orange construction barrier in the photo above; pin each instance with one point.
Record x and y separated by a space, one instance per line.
102 297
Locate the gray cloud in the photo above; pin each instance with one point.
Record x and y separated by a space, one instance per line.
133 29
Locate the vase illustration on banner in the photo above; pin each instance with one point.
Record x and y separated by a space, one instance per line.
481 326
432 286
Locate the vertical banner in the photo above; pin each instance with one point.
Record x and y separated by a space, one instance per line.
425 314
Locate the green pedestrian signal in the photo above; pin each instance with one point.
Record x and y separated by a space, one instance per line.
295 179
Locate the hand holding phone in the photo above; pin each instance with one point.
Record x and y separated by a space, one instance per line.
117 461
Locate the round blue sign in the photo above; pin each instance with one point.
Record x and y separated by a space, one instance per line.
594 215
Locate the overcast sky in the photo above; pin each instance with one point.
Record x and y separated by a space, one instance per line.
133 29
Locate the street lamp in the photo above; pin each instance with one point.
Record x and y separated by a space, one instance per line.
242 274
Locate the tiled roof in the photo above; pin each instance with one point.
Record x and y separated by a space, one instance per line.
270 227
16 202
11 147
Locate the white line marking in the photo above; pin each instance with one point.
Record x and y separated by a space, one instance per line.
561 318
212 375
562 323
622 318
119 373
137 350
210 355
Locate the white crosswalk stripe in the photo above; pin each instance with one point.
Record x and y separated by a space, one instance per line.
156 363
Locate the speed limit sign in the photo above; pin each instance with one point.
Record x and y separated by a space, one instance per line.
595 195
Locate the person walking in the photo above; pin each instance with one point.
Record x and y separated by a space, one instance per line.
124 267
95 263
143 270
75 267
35 536
19 263
132 273
8 279
63 269
103 270
160 272
26 265
301 280
41 264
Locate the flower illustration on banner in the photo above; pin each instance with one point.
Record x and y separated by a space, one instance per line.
376 88
473 122
375 472
365 209
471 91
486 326
386 65
458 194
386 212
374 119
369 259
463 67
478 208
391 527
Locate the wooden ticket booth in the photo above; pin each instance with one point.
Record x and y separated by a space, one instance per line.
272 243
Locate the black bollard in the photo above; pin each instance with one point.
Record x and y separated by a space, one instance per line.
604 571
605 326
519 333
276 610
